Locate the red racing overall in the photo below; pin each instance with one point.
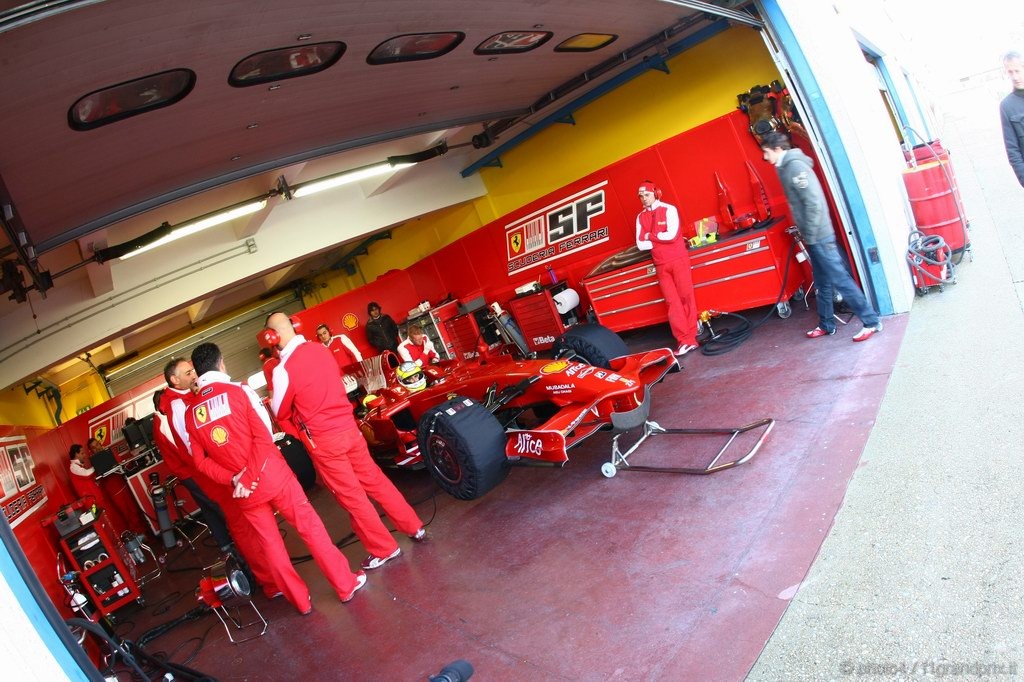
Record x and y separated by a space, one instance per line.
175 452
309 402
230 434
659 227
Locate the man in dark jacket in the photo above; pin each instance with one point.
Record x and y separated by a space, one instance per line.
809 211
381 330
1011 113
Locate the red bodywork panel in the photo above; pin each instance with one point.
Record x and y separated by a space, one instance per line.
580 398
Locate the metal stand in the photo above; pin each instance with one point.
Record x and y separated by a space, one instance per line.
225 616
171 485
650 428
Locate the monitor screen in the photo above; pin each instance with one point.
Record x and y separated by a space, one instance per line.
139 434
103 461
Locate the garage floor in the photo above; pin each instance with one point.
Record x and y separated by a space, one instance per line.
564 574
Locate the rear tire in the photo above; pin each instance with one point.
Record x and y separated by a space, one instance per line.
594 344
464 447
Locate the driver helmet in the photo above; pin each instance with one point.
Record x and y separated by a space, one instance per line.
411 376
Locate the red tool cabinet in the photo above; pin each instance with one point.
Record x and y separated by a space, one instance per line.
95 550
538 317
741 271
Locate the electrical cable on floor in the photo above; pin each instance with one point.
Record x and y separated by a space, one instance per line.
730 339
199 647
116 648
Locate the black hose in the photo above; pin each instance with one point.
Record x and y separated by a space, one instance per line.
931 250
730 339
116 648
952 189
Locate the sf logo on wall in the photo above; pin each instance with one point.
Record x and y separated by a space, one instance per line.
564 227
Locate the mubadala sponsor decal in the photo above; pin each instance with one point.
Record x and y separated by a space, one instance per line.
560 388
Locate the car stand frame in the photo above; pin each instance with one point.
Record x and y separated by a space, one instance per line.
620 460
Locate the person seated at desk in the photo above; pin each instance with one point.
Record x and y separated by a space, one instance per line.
417 348
85 485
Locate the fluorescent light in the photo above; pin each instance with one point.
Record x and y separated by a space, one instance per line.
198 225
345 178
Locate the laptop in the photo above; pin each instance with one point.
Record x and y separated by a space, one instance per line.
103 462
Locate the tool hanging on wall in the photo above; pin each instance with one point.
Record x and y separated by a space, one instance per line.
761 204
726 215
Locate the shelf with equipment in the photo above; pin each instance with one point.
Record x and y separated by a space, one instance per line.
95 552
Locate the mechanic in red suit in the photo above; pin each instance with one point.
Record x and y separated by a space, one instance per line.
345 352
310 403
657 231
417 348
85 485
232 443
174 402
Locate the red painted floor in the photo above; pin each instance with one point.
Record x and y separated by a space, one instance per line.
564 574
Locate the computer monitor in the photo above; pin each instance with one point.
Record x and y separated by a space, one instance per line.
139 434
103 461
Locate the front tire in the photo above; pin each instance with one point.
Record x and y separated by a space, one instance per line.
594 344
464 447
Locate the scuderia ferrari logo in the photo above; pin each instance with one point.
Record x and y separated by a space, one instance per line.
100 434
566 226
201 414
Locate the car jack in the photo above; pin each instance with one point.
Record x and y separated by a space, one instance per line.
620 459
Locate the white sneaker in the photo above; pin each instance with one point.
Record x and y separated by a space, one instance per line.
371 562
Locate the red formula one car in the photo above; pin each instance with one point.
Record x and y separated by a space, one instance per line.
474 418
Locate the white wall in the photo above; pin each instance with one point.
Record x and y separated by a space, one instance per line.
850 90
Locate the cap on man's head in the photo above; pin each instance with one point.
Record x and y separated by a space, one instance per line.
648 187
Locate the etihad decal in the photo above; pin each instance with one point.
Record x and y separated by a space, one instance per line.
555 367
559 229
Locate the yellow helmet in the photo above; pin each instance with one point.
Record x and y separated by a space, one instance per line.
411 376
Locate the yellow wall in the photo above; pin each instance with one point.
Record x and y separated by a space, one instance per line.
18 409
86 390
702 85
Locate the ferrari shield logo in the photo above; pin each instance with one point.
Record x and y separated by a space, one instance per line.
100 434
201 414
516 242
219 435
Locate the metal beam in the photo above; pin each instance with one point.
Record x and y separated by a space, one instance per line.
648 63
707 7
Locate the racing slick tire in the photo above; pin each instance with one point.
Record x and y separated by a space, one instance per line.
593 343
464 447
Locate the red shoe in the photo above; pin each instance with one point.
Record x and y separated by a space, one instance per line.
867 332
818 331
